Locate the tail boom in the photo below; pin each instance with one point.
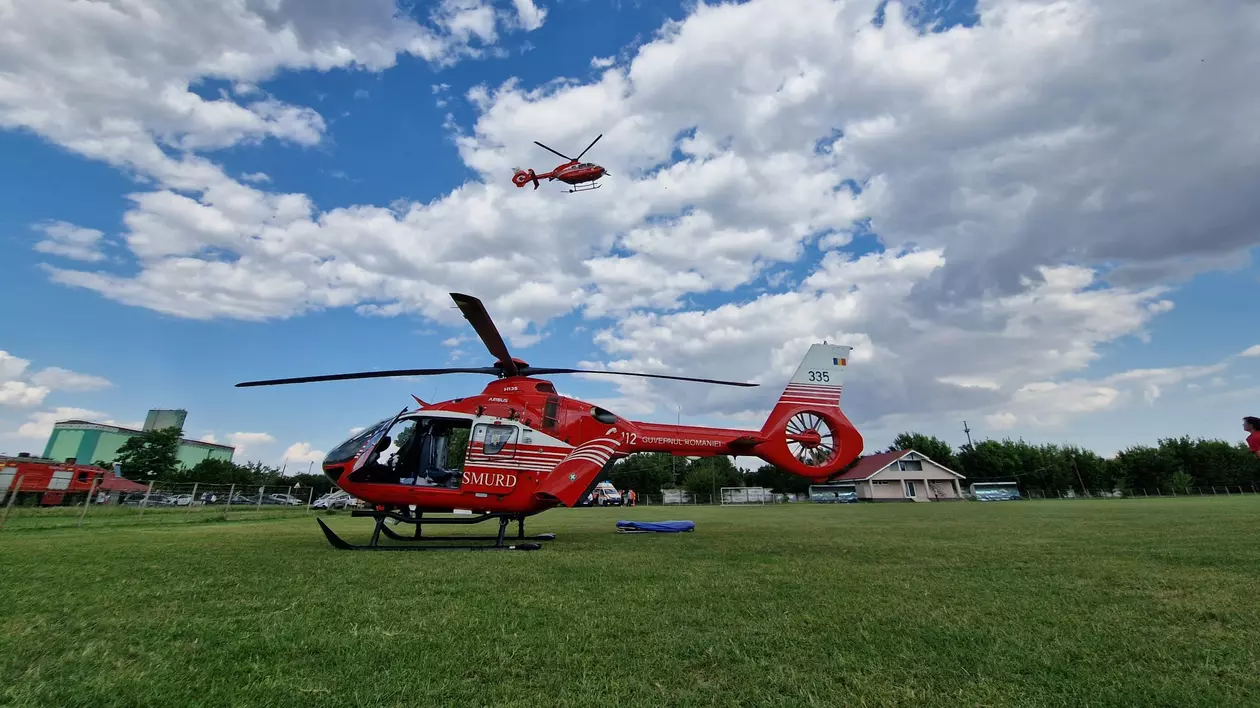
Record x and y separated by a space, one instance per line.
807 434
690 440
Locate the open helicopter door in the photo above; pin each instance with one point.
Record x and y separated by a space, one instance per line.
369 447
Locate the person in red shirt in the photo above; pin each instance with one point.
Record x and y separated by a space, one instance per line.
1252 425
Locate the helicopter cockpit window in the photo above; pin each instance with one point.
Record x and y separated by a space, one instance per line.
494 437
346 450
426 452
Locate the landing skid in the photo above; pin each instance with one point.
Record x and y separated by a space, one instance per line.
415 540
585 188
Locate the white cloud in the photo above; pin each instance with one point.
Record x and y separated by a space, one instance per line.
302 452
20 388
113 83
57 378
70 241
39 425
985 158
529 15
20 393
11 367
1253 350
246 443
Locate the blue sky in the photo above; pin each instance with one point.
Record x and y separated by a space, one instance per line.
388 137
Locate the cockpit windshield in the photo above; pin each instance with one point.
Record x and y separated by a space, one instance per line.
346 450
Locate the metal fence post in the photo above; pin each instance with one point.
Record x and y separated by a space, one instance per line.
310 498
227 507
86 502
144 503
194 496
17 487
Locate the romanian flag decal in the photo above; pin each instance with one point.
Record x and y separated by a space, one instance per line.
837 361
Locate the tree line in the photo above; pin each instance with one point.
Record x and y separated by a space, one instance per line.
1171 464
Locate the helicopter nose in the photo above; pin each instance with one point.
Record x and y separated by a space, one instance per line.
334 472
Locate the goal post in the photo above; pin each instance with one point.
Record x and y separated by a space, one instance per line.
995 491
745 495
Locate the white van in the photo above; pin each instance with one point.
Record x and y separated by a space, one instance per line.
606 494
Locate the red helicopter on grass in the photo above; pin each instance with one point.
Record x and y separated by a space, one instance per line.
580 175
519 448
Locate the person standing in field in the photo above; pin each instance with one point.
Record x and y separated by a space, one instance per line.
1251 424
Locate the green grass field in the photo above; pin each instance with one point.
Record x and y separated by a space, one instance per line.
1055 603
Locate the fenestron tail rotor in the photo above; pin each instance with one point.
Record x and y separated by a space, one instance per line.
505 365
810 439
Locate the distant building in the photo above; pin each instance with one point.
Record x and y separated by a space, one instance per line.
158 419
89 442
902 475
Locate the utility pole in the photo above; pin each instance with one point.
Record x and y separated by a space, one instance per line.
1078 476
968 432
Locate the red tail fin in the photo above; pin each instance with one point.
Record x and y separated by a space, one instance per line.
520 177
807 434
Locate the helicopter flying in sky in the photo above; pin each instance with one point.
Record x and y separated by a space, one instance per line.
519 448
581 176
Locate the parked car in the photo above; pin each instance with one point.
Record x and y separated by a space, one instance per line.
137 499
335 500
283 499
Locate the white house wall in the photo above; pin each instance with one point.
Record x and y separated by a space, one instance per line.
935 482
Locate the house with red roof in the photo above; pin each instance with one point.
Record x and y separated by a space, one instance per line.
903 475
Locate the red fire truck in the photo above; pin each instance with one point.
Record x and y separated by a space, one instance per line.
46 482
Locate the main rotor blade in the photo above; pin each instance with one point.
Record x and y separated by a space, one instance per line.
538 371
370 375
476 314
588 147
544 147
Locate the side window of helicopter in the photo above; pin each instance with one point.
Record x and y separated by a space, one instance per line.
495 438
550 412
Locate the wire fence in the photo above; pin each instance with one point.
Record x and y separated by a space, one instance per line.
161 503
1141 493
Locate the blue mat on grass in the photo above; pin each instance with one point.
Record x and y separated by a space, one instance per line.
655 526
